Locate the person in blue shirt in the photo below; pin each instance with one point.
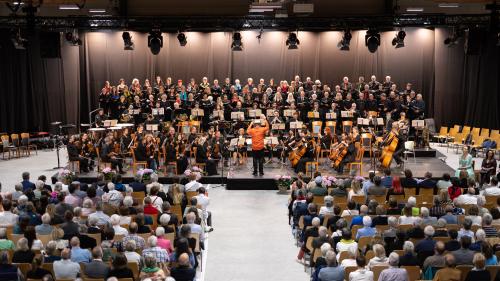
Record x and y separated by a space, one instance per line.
332 272
78 254
26 182
387 178
367 229
358 220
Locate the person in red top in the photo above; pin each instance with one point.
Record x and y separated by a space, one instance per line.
258 133
149 209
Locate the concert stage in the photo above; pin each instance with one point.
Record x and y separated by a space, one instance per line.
241 178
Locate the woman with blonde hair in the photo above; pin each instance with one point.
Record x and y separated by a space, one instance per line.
380 257
355 189
479 271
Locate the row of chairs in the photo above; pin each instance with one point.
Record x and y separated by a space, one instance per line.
17 145
455 136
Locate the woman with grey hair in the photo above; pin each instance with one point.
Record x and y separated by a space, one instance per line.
480 239
380 257
39 185
441 230
410 257
474 215
23 254
45 228
87 207
328 208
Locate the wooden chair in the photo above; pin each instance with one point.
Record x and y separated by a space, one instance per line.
136 163
197 250
359 199
44 238
343 255
465 269
139 196
358 161
347 126
49 267
23 267
369 255
135 269
332 125
399 198
413 272
176 209
26 146
189 195
399 252
170 164
379 198
201 166
7 147
493 269
354 230
426 191
442 239
363 241
15 237
320 200
410 191
475 131
377 270
348 270
443 134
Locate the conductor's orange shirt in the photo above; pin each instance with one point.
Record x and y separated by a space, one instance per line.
258 135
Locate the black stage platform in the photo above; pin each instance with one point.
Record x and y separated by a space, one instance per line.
241 178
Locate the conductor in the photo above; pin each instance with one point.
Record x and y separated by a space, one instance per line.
258 133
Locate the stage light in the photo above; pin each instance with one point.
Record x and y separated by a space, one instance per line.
292 42
237 45
346 41
182 39
19 42
372 40
155 42
72 38
127 41
399 39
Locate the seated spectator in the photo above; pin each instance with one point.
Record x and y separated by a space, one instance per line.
372 205
108 242
474 215
416 232
87 207
160 254
141 227
113 196
449 273
346 243
328 208
468 198
426 218
132 235
184 271
332 220
93 227
466 230
495 213
361 274
380 257
72 198
455 190
410 257
481 202
310 232
351 210
5 244
393 228
162 241
464 255
45 228
128 202
386 180
115 222
33 242
444 183
164 221
349 260
65 268
449 217
355 189
69 227
124 213
408 180
7 270
489 254
119 268
96 268
480 239
19 228
367 229
332 272
380 218
36 271
322 237
23 253
407 217
78 254
453 244
437 210
7 218
425 247
156 200
50 255
102 218
427 182
436 260
182 247
377 188
441 230
151 269
396 188
393 272
318 189
479 271
399 241
493 189
149 208
393 207
358 219
321 261
196 228
131 254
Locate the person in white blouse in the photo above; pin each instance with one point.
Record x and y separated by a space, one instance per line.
362 273
355 189
115 222
380 257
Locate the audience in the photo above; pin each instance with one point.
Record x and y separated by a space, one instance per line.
96 268
332 272
449 273
65 268
393 272
361 273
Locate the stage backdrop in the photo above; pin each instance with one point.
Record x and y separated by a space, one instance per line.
457 88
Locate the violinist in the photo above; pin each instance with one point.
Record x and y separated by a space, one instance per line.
218 147
151 151
88 149
175 146
108 155
74 154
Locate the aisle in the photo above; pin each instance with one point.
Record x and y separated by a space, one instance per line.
252 240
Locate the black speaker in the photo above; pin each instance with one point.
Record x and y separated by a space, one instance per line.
50 45
473 39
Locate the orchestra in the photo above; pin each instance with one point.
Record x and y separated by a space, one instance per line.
211 123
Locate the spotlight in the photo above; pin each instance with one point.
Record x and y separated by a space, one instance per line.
399 39
72 38
346 41
453 39
19 42
372 40
292 42
127 41
237 45
182 39
155 42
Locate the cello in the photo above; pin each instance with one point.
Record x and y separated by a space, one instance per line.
297 153
337 154
389 144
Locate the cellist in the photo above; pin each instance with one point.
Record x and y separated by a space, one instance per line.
389 138
350 154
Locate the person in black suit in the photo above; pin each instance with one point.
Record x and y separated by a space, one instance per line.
184 271
74 155
428 182
381 218
408 180
107 155
26 182
96 268
119 268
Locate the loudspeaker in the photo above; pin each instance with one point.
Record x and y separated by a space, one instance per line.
50 45
473 39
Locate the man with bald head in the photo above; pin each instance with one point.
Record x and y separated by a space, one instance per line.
184 271
96 268
65 268
436 260
449 273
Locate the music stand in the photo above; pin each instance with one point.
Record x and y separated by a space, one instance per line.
271 141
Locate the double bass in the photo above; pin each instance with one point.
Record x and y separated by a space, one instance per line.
389 144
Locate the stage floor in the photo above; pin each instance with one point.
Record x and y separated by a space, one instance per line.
240 177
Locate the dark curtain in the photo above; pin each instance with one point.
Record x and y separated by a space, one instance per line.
457 88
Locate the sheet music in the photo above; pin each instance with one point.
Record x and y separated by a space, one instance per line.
313 114
288 112
418 123
219 114
296 125
271 140
236 115
346 114
363 121
269 112
152 127
197 112
158 111
254 113
280 126
331 115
